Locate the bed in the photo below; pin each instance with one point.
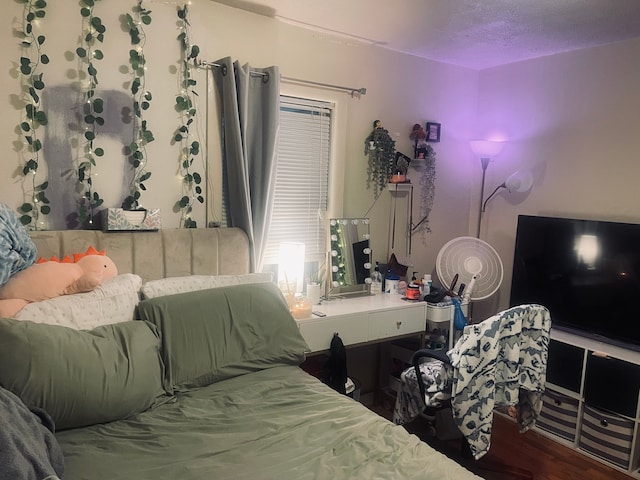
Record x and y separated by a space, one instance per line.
202 381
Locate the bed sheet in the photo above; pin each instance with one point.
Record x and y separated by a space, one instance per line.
278 423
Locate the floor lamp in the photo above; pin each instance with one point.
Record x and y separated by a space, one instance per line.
520 181
485 149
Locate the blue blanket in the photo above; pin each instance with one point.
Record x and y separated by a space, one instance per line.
17 250
28 448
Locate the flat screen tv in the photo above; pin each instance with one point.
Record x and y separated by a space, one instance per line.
586 272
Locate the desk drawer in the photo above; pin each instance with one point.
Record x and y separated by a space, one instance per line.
318 332
403 321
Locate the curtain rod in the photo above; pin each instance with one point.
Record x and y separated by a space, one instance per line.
352 90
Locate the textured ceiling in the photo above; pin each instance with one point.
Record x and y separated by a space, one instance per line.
475 34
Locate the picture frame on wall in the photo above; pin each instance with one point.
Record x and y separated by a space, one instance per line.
433 132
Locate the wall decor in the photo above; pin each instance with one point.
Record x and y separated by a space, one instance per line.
32 84
142 135
402 163
185 105
93 31
419 136
433 132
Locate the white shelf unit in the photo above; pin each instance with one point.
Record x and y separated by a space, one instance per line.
592 400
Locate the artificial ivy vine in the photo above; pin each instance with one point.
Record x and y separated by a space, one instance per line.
32 83
141 102
185 106
425 162
92 31
427 189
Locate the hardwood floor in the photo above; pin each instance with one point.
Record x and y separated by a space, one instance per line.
531 451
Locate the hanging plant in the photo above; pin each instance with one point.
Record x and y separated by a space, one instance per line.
183 136
32 83
137 150
381 150
427 188
92 31
424 162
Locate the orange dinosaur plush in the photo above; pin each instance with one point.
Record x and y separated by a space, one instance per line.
48 279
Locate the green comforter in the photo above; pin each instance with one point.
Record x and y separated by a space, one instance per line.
278 423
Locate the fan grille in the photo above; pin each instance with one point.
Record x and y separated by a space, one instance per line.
466 257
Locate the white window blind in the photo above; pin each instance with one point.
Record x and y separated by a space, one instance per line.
302 177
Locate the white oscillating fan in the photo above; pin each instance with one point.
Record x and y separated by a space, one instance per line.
476 264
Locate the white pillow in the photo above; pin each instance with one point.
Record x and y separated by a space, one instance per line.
191 283
113 301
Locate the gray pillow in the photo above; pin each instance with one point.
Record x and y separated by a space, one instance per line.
210 335
113 301
191 283
82 377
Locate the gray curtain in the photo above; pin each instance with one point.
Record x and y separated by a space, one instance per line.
250 100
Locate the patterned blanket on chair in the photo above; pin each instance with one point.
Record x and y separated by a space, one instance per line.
501 361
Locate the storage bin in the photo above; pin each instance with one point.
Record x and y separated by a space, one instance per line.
443 313
559 415
119 219
607 436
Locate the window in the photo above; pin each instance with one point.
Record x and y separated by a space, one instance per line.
302 177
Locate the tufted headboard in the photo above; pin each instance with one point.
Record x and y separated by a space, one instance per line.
159 254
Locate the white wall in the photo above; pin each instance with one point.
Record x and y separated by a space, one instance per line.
573 119
401 90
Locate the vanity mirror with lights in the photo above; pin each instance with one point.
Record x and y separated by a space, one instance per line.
349 256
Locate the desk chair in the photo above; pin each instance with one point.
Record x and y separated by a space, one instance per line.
499 362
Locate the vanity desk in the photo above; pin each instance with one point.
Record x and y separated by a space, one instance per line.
363 319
